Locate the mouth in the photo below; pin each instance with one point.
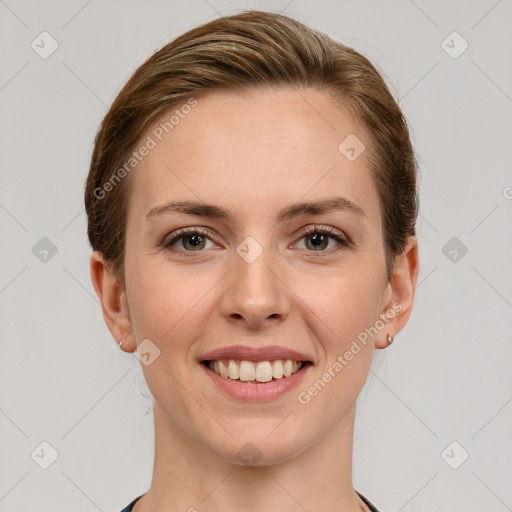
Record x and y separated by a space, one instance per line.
256 371
256 374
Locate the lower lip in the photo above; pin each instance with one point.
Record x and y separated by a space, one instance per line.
257 391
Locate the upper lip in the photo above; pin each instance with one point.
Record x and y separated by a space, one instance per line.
245 353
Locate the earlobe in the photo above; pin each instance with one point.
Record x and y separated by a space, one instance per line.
401 288
113 301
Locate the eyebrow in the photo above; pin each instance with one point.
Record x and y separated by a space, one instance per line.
330 204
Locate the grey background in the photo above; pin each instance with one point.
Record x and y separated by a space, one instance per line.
446 378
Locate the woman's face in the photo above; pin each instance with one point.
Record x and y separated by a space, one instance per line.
250 278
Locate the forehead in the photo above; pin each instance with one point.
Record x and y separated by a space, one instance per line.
248 152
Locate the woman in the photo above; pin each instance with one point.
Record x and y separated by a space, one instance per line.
252 203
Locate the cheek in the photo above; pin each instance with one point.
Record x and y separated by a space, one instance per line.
340 317
165 302
342 307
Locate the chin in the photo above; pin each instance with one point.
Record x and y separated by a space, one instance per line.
259 449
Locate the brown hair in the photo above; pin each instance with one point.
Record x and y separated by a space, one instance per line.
238 52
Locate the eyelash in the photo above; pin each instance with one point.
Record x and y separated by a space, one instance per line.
167 242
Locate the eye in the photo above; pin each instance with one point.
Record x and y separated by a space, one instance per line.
319 238
191 240
194 240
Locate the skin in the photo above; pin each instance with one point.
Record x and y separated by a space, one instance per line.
253 154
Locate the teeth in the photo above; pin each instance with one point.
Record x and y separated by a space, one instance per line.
288 368
233 370
277 372
262 371
224 370
247 371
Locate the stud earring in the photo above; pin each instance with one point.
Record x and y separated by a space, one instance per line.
389 339
120 343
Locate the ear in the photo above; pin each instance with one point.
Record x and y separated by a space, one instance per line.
399 294
113 301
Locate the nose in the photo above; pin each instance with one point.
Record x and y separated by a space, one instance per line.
255 294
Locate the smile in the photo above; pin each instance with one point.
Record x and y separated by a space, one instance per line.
259 385
254 371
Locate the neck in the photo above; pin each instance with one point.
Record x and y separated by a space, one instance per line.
189 477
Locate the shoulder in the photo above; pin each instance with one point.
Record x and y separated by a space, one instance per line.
366 500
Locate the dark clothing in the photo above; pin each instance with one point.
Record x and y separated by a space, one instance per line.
370 505
130 506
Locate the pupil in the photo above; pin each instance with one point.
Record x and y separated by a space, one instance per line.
317 239
197 239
